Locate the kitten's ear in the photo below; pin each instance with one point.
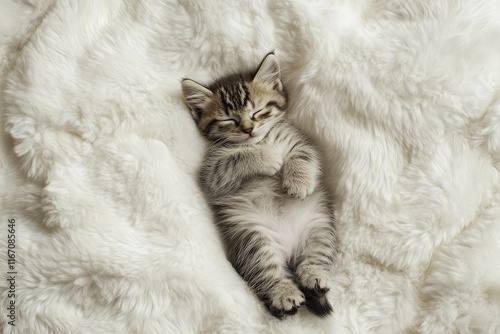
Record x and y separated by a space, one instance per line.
195 95
269 70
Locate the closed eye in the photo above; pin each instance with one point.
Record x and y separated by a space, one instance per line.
228 121
256 113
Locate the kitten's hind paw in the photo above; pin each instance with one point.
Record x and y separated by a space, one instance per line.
314 284
286 299
314 278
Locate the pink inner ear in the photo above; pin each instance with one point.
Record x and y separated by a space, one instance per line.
269 70
194 93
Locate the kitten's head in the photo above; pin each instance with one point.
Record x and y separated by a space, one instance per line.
240 108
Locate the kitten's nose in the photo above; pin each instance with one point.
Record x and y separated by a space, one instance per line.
248 130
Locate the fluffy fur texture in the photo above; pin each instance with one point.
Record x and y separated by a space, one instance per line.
263 180
99 161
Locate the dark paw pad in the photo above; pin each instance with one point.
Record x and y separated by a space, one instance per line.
282 313
318 289
278 313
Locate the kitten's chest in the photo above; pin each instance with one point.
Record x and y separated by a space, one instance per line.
280 142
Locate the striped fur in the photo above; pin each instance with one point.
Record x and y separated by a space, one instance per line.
262 177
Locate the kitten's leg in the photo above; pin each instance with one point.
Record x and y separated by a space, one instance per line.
257 259
314 262
300 171
226 169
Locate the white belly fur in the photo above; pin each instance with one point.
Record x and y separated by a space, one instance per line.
261 202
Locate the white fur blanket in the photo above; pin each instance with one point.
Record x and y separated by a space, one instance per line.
100 156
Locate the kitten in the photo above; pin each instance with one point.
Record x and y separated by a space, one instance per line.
262 178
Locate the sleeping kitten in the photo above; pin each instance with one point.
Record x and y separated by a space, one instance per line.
261 176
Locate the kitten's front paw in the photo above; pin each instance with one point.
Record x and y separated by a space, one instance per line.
271 162
285 299
299 187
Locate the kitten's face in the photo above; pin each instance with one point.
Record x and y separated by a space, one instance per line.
238 109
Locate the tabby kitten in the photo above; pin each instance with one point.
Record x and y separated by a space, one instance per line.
261 176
